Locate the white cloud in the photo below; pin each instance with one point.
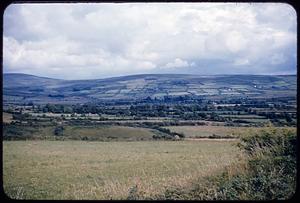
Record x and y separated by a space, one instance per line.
235 41
239 62
278 59
101 40
177 63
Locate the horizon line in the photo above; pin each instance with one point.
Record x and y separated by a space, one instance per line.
103 78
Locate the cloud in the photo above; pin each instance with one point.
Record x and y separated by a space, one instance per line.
236 42
177 63
240 62
278 59
101 40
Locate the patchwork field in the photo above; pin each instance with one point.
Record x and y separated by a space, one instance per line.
48 90
107 170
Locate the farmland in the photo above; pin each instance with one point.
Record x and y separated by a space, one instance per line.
148 137
105 170
221 131
116 168
7 117
19 88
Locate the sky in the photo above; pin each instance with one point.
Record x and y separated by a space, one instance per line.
99 40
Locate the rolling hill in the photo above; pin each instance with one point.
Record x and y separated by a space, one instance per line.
20 88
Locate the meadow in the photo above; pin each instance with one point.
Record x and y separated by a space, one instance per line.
221 131
79 132
6 117
108 170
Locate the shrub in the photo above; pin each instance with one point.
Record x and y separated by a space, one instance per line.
16 131
58 131
268 173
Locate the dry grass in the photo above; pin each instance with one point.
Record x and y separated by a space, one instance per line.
206 131
107 170
7 117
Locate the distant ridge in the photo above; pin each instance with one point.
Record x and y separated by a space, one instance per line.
144 75
20 88
26 75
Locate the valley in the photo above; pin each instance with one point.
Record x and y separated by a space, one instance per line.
142 136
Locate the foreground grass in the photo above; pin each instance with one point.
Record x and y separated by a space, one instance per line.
108 170
266 172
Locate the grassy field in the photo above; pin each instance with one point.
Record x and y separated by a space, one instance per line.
206 131
109 133
247 116
79 132
107 170
267 172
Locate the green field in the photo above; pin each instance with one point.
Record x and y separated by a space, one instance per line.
79 132
108 170
107 133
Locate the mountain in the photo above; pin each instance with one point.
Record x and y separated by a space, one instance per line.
20 88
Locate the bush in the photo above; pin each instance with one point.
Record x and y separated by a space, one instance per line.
18 132
269 172
58 131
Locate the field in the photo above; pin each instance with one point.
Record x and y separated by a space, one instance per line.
25 88
107 133
144 136
107 170
92 133
7 117
222 131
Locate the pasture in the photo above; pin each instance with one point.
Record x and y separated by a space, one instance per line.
222 131
79 132
108 170
107 133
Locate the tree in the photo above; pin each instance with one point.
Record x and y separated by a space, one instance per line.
288 118
58 131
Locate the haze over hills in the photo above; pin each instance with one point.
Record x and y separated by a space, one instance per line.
22 88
